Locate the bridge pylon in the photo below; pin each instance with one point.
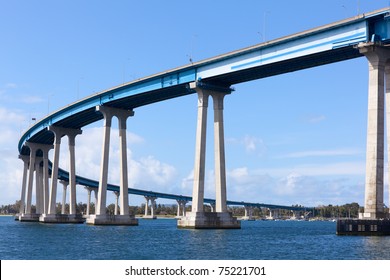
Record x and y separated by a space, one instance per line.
198 218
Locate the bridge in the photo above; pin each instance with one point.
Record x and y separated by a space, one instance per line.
364 35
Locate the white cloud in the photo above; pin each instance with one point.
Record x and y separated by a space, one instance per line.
11 85
150 173
316 119
321 184
9 118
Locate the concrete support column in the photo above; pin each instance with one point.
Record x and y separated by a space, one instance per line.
200 150
219 153
181 208
100 217
30 178
212 206
387 109
54 170
96 199
26 160
38 186
122 116
197 218
184 208
72 169
45 150
116 203
146 206
43 185
248 213
178 208
152 205
102 192
124 183
59 132
88 200
219 147
377 58
65 186
152 200
273 214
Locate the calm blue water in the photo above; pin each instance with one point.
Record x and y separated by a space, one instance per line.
160 239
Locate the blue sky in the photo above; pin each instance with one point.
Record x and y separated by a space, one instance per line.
297 138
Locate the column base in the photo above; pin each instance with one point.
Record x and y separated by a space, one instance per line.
61 219
112 220
209 220
371 216
29 217
365 227
149 217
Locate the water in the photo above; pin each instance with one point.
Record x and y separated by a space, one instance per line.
160 239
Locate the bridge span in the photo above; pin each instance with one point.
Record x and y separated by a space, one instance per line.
364 35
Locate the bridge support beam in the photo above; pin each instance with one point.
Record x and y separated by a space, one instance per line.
152 200
64 189
39 186
101 218
197 218
26 161
89 190
51 216
181 208
27 215
41 181
116 203
379 69
273 214
248 216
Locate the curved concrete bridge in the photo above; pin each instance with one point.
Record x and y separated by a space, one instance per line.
363 35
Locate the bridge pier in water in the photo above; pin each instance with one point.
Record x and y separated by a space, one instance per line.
373 220
124 218
50 216
248 213
152 200
198 218
32 164
181 208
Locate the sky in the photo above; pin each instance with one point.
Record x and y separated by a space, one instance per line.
296 138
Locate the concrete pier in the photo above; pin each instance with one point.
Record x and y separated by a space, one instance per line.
273 214
197 218
181 208
152 200
374 227
209 220
377 57
50 215
27 215
101 217
372 221
248 216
